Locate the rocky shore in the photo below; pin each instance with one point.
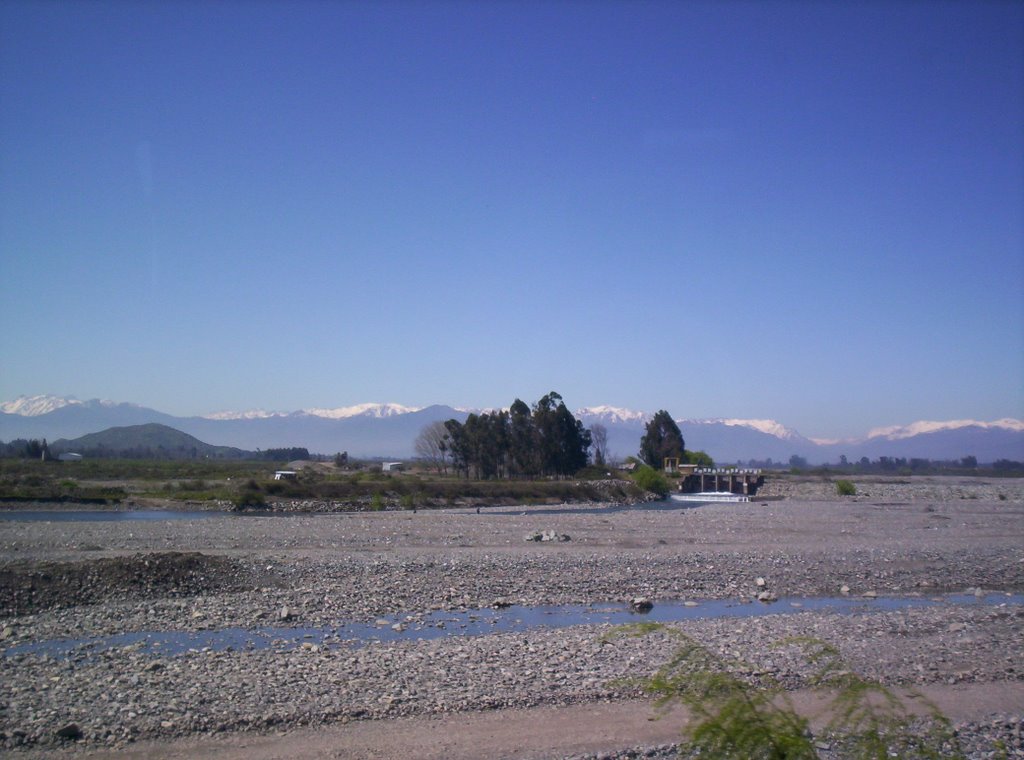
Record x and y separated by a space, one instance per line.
297 573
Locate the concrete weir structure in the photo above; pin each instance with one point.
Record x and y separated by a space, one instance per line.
695 479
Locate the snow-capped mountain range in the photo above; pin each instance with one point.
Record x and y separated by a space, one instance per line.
613 415
339 413
389 429
33 406
897 432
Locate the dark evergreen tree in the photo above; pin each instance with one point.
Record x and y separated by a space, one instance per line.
458 446
662 438
562 439
486 443
545 424
573 442
523 443
550 441
495 450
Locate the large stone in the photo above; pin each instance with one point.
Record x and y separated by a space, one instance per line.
641 604
546 535
71 731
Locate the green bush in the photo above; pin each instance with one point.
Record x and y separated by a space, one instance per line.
249 498
699 458
845 488
734 719
651 480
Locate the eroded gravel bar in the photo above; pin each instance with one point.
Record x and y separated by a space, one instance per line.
357 567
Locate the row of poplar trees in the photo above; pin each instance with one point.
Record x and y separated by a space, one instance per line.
546 440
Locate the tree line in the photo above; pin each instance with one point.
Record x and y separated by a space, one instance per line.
522 442
545 440
902 465
25 449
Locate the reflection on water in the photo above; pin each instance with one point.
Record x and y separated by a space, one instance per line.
479 622
112 515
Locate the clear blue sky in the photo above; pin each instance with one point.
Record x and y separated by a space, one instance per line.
812 212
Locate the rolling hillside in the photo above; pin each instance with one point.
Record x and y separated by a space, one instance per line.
146 441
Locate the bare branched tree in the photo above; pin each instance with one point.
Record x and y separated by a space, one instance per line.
432 446
599 443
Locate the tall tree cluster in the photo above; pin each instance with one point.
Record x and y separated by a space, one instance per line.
662 438
546 440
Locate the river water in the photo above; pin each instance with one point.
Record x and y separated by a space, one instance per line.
480 622
107 515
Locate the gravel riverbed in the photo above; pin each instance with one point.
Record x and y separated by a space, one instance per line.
78 580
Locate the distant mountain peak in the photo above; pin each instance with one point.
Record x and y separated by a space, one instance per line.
355 429
480 410
250 414
605 413
335 413
362 410
898 432
768 427
34 406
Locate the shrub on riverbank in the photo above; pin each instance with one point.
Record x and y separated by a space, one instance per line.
845 488
252 484
733 718
651 480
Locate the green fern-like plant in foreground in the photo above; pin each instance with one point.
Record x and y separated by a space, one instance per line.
733 719
875 720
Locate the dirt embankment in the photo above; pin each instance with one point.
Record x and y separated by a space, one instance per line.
31 587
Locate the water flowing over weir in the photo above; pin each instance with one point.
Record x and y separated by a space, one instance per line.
512 619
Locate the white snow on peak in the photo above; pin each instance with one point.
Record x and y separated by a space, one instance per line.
33 406
769 427
251 414
337 413
362 410
897 432
613 414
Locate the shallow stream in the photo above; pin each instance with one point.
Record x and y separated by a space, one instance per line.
479 622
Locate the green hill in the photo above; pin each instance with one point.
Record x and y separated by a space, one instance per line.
151 441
